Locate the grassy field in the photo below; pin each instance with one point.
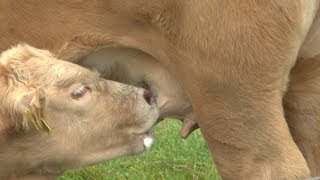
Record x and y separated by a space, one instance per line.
169 158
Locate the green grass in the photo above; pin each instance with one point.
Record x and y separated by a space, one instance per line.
170 157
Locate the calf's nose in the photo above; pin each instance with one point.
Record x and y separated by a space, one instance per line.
147 95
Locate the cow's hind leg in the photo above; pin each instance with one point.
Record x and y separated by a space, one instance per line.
302 109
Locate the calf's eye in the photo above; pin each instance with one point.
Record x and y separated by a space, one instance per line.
80 91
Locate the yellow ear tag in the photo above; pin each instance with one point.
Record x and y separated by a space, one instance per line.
31 118
36 124
46 126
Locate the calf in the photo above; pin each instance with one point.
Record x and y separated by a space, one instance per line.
87 119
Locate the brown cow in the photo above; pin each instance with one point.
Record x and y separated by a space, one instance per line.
232 57
88 119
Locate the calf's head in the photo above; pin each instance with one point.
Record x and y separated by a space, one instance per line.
56 115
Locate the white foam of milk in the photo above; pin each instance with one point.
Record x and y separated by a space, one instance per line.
148 141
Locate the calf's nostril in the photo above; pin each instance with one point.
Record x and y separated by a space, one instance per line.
147 96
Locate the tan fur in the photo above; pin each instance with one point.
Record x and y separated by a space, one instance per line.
232 57
117 115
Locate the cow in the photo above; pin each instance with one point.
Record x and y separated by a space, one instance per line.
56 115
236 60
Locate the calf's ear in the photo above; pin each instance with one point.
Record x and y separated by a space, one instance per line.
24 111
21 108
33 111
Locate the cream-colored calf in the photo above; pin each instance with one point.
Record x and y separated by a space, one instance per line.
55 115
